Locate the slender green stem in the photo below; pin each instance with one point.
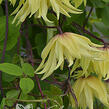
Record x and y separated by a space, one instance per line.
33 101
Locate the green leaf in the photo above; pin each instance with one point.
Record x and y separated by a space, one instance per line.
66 102
1 11
11 69
12 94
105 15
8 78
107 1
102 28
13 33
98 3
75 18
26 84
98 12
54 94
7 59
3 103
28 69
2 27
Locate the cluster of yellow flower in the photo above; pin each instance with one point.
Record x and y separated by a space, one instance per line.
68 46
78 50
40 8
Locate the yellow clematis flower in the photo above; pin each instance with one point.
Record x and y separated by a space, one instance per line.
65 46
86 89
40 8
102 67
12 2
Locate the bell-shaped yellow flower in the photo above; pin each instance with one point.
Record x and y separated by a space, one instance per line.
12 2
86 89
101 68
65 46
40 8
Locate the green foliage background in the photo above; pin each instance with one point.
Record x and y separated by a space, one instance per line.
18 59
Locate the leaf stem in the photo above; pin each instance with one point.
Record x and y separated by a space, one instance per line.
33 101
29 47
73 94
44 26
86 20
89 33
5 44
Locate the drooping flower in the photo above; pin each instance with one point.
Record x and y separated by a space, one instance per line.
86 89
40 8
66 46
102 67
12 2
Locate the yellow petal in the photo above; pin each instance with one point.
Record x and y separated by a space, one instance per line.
89 97
60 54
52 68
98 89
48 47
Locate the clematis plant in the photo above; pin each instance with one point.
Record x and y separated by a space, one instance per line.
40 9
54 58
67 46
